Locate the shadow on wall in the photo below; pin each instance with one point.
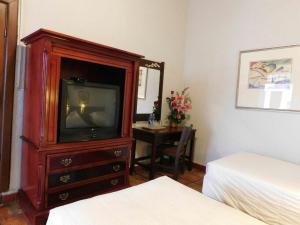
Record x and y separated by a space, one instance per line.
16 151
200 121
203 142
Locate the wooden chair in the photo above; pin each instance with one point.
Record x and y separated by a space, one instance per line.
175 154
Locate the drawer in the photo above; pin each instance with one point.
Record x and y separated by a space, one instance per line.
75 159
56 180
63 197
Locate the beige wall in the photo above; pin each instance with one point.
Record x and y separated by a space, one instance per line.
155 29
216 32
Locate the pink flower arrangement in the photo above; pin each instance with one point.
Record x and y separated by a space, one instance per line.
179 104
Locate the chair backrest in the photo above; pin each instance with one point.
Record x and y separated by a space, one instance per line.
181 148
184 140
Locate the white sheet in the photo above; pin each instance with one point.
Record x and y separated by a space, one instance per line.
158 202
265 188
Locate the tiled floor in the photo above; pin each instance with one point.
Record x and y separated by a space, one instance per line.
193 178
12 215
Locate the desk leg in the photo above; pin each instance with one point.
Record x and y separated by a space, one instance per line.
153 158
191 154
132 159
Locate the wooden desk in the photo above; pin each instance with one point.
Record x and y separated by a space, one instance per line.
157 137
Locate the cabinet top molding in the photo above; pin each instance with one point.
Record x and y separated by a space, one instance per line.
58 37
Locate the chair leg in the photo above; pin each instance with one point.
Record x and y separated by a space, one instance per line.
170 160
175 173
183 166
175 177
176 169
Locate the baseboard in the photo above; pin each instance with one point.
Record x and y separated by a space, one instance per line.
8 198
194 165
199 167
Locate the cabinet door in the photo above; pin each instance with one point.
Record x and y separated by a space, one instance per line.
3 157
52 100
8 41
2 36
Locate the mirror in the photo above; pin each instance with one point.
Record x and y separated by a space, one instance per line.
149 89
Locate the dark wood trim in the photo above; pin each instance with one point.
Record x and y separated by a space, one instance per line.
7 97
56 36
6 199
29 142
199 167
42 153
156 66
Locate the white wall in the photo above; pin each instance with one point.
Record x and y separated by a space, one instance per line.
216 31
155 29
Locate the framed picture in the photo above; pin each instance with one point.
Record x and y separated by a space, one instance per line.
142 82
269 79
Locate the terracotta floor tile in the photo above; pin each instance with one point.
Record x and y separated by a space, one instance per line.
15 220
195 175
4 212
135 180
196 186
183 180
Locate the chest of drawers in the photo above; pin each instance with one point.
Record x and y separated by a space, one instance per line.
79 174
58 176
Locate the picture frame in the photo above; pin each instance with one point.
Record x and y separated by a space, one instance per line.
142 82
269 79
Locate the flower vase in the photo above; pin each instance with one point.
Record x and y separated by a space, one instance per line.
173 124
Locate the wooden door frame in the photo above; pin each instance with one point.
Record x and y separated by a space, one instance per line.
6 110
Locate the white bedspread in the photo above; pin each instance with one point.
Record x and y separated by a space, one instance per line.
158 202
265 188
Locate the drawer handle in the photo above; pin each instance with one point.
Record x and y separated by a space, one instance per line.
116 167
114 182
118 153
65 178
66 162
63 196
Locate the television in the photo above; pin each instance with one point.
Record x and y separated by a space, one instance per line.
88 111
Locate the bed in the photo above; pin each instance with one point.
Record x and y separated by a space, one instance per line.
162 201
263 187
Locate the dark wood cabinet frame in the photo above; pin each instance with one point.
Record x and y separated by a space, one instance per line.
156 66
7 94
42 153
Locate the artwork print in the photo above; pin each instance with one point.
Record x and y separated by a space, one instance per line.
270 74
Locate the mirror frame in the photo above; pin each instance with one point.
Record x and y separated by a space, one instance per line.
151 65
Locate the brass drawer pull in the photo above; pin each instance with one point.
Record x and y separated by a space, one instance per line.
66 162
118 153
116 167
114 182
65 178
63 196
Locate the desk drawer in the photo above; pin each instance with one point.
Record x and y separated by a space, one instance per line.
55 180
66 160
70 195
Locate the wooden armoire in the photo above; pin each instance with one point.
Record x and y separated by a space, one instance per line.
53 172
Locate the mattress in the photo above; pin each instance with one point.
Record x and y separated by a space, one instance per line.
158 202
265 188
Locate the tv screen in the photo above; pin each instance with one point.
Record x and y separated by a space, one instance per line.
88 111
